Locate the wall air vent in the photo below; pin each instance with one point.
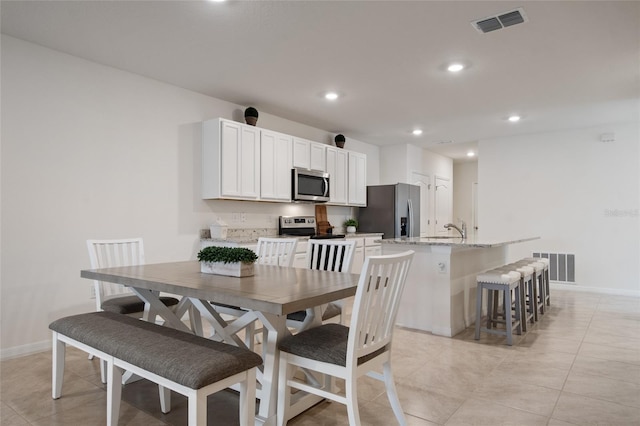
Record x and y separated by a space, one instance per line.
562 266
507 19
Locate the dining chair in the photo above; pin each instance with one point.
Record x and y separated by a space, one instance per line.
113 297
270 251
117 298
326 255
338 351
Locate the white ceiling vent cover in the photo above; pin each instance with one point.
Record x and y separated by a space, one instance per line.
507 19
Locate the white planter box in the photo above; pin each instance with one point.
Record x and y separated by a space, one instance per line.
237 269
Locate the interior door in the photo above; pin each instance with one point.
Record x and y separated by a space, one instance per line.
423 181
442 204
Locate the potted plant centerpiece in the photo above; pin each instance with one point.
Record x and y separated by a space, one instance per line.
351 225
229 261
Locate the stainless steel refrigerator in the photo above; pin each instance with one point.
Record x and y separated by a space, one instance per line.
391 209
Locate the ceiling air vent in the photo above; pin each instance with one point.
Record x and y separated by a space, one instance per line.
507 19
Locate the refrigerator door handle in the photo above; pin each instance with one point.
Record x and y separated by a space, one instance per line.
410 227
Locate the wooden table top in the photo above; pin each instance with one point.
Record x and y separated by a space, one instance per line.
273 289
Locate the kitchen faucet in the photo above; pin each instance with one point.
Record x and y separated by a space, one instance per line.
463 231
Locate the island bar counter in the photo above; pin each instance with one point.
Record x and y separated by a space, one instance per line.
440 293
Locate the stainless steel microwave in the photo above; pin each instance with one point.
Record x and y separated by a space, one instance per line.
309 185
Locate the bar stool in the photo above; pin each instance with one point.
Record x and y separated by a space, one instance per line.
545 262
538 285
526 290
528 293
509 284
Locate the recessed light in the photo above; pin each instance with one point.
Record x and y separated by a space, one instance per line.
417 132
331 96
471 154
514 118
455 67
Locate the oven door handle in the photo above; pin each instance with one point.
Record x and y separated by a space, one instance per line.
325 184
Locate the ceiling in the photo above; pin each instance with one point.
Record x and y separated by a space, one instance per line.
571 64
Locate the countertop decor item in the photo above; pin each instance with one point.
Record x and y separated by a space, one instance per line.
339 140
229 261
251 116
351 225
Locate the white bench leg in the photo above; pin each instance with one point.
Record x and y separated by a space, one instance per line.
58 353
197 409
165 399
114 393
248 399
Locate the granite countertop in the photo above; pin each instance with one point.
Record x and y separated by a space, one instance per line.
472 241
252 239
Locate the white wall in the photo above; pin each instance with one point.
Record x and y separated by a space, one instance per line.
89 151
579 194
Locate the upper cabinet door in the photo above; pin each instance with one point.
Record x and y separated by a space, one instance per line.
230 160
309 155
275 166
318 157
337 169
357 179
301 153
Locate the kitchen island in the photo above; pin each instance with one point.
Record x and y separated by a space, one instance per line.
440 292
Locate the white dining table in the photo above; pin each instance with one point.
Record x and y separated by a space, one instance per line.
268 296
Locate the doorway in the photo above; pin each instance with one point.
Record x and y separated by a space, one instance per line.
442 204
423 181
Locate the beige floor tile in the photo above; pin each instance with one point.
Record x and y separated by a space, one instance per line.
532 374
38 404
510 392
599 387
556 422
94 413
605 337
373 414
8 417
582 410
630 356
543 342
426 404
605 368
482 413
522 358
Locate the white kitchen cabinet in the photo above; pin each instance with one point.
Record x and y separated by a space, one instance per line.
230 160
275 166
337 164
357 182
309 155
365 247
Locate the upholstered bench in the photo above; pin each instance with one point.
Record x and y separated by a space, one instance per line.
185 363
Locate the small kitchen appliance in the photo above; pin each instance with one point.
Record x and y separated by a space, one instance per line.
309 185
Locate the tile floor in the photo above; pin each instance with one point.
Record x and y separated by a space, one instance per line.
579 365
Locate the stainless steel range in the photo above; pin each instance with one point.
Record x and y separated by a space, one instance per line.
301 226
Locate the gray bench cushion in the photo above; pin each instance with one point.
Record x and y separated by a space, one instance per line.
131 304
181 357
326 343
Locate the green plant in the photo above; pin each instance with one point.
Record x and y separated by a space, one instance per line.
227 255
351 222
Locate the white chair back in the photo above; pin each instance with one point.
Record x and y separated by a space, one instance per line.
276 251
330 255
376 303
113 253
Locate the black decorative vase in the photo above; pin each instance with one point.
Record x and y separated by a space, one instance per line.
251 116
339 140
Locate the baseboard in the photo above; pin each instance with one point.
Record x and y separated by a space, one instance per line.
599 290
24 350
